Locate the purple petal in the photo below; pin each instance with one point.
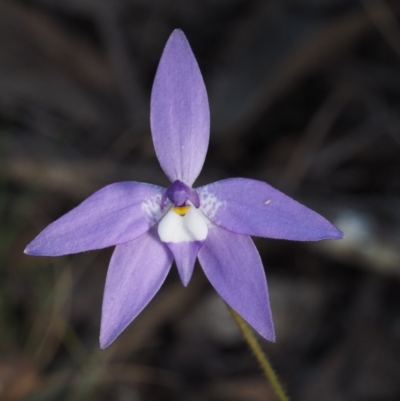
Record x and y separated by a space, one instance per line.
137 271
180 117
253 207
185 254
233 266
113 215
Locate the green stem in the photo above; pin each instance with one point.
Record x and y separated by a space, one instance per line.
260 355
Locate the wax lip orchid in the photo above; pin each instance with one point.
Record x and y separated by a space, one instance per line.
152 226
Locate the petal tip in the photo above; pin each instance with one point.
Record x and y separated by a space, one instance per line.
268 331
177 32
37 249
32 250
176 40
106 337
185 282
335 234
339 234
271 337
104 343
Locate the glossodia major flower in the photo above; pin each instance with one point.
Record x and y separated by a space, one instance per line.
152 226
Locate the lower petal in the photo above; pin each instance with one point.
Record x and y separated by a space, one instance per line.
137 271
185 254
232 264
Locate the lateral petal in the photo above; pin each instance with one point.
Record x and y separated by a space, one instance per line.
136 272
179 115
115 214
253 207
232 264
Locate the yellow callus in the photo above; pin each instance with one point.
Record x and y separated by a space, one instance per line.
181 210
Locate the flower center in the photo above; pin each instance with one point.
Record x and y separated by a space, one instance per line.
181 210
179 194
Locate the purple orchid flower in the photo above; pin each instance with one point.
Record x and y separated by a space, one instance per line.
152 226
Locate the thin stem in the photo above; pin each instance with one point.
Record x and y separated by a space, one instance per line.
260 355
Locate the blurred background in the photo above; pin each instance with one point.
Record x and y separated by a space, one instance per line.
304 94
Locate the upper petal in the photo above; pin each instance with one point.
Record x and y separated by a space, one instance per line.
180 117
232 264
137 271
113 215
255 208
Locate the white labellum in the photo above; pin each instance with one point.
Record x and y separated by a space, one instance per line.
176 228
